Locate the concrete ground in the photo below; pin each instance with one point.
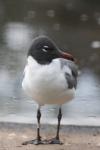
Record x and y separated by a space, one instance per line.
73 137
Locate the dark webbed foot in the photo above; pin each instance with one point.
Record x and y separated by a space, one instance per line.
35 142
54 141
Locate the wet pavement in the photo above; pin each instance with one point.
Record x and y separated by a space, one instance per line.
74 30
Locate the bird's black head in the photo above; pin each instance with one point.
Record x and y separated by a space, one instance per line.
44 50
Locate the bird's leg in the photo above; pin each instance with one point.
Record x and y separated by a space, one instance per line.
38 140
59 120
38 124
56 140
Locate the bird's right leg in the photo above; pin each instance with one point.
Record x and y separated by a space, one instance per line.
38 140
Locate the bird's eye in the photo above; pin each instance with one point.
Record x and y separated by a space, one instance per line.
45 48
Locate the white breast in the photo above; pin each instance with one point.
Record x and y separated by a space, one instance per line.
46 84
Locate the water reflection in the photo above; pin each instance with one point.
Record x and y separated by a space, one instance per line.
88 84
18 36
95 44
51 13
84 17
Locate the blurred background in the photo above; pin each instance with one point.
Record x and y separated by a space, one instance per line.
75 27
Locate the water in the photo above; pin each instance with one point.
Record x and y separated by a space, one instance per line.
74 30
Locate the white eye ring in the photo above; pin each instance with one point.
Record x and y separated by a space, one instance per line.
44 50
45 46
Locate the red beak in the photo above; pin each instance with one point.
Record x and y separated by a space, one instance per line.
66 55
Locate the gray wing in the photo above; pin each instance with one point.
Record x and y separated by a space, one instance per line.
71 79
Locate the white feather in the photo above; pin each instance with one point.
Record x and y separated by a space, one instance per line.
46 84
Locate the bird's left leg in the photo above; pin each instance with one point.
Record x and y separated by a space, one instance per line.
56 140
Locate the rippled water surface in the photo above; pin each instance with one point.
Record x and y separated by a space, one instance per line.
74 30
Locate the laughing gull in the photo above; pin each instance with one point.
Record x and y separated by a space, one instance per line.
50 77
